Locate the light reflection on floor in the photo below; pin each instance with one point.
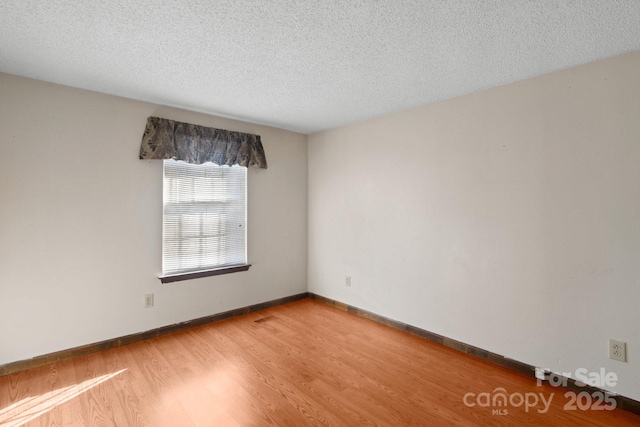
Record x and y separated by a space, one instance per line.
32 407
213 398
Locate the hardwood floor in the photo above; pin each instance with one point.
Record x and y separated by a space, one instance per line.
302 363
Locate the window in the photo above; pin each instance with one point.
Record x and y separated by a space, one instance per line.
204 220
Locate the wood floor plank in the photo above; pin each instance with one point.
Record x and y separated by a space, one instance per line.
302 363
129 388
162 381
38 396
286 400
274 353
280 342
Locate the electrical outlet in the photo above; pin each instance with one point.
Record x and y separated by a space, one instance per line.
148 300
347 281
617 350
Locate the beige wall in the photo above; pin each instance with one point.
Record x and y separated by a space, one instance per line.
80 221
508 219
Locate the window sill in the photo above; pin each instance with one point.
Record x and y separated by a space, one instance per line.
204 273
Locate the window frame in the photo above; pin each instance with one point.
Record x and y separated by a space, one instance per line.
213 270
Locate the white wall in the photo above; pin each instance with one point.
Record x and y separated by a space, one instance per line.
508 219
80 222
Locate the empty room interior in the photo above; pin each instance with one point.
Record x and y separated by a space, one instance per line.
439 215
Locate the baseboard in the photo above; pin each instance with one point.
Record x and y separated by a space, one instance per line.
47 359
622 402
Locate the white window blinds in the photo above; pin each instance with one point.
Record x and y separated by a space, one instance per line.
204 217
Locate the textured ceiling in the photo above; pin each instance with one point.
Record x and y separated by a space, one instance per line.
306 65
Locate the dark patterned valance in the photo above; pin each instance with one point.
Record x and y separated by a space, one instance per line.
170 139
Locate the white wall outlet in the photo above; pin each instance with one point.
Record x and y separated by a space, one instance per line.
617 350
148 300
347 281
